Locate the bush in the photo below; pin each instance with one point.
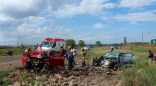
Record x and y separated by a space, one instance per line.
15 51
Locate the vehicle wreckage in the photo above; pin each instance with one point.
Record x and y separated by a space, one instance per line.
46 56
114 60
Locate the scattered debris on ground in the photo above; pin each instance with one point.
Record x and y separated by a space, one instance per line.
79 76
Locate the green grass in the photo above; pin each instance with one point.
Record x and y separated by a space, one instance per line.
16 51
95 52
5 74
34 79
4 83
25 79
3 52
141 73
140 49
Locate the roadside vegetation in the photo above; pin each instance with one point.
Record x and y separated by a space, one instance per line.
140 74
96 52
140 49
15 50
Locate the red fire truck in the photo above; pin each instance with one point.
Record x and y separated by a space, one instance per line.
47 55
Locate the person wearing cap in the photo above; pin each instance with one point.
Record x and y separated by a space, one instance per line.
70 57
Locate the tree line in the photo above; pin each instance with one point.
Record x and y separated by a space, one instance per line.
81 43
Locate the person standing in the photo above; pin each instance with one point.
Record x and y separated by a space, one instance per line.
112 49
62 51
83 57
150 56
74 54
70 57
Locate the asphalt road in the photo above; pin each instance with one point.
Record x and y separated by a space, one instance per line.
7 62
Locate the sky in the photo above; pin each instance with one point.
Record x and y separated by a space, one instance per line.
108 21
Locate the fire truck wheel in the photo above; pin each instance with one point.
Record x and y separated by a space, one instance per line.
28 65
46 67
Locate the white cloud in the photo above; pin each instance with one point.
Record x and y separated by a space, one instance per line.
136 3
109 5
99 25
26 8
34 28
68 10
92 7
138 17
5 18
58 4
21 8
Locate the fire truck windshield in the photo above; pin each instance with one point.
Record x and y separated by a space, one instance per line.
47 44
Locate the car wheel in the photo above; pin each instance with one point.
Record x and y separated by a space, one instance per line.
103 68
46 67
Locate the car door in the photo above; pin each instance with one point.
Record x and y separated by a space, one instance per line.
127 58
55 59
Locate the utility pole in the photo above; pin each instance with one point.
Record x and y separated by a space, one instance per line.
142 38
125 40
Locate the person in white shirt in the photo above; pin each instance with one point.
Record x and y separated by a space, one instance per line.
74 54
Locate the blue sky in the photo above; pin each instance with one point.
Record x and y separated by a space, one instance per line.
108 21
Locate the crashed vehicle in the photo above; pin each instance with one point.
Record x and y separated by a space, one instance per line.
48 56
114 60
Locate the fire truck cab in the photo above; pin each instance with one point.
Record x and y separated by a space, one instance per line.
52 44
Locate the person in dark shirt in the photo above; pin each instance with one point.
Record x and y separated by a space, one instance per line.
150 56
70 58
62 51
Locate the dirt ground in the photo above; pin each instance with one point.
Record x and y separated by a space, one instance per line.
79 76
4 59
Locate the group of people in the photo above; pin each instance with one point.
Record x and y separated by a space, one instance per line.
70 55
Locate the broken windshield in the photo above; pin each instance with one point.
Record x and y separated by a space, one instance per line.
112 54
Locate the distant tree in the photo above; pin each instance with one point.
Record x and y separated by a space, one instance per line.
98 43
70 42
125 40
81 43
